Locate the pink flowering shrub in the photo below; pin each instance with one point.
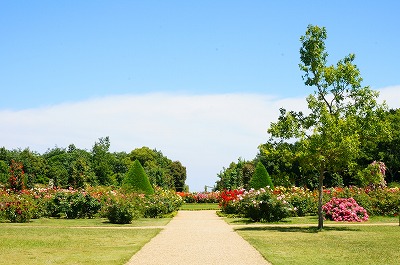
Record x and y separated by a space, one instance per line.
344 209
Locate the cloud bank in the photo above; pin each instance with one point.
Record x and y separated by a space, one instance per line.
204 132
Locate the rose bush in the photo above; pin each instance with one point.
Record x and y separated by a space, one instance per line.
258 205
21 206
346 210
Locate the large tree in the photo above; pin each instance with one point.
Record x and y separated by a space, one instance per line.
102 161
342 114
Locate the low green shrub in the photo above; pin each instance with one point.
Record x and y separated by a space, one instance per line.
121 212
73 204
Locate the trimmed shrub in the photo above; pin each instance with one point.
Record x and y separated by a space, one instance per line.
137 180
260 178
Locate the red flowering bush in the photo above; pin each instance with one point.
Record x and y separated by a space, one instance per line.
344 209
16 208
16 181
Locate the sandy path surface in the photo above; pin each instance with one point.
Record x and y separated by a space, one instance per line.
197 237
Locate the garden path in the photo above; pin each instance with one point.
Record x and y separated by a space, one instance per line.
197 237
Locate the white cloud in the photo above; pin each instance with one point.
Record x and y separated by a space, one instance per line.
391 95
204 132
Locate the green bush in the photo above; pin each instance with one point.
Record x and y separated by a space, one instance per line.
121 212
161 203
137 180
72 205
260 178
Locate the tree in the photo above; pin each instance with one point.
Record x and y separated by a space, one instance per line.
178 173
137 180
260 178
4 172
342 114
102 161
156 166
237 175
281 161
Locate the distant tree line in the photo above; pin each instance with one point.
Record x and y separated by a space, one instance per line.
74 167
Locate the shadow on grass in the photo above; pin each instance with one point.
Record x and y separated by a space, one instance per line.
296 229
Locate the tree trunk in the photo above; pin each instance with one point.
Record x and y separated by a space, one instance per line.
320 196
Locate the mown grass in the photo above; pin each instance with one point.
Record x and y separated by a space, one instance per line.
199 206
80 241
298 241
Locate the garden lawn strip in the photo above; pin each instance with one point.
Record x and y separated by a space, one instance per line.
197 237
69 245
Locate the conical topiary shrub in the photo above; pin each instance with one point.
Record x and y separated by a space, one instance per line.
137 180
260 178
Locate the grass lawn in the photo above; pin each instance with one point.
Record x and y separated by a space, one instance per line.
199 206
55 241
295 242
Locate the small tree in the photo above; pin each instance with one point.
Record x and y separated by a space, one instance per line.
260 178
342 114
137 180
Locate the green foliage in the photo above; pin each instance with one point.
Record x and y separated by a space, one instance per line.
343 115
78 168
261 178
162 172
4 172
178 173
137 180
237 175
373 175
73 205
121 212
282 162
101 159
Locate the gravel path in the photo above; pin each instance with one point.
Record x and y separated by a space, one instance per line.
197 237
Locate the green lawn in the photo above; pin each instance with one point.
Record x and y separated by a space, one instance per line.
295 242
80 241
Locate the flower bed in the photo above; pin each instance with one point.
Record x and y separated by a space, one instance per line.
301 201
21 206
200 197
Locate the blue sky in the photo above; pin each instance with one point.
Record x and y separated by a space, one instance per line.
185 66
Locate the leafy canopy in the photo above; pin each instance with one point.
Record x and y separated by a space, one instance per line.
342 115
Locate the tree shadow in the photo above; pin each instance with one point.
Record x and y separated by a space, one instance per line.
297 229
